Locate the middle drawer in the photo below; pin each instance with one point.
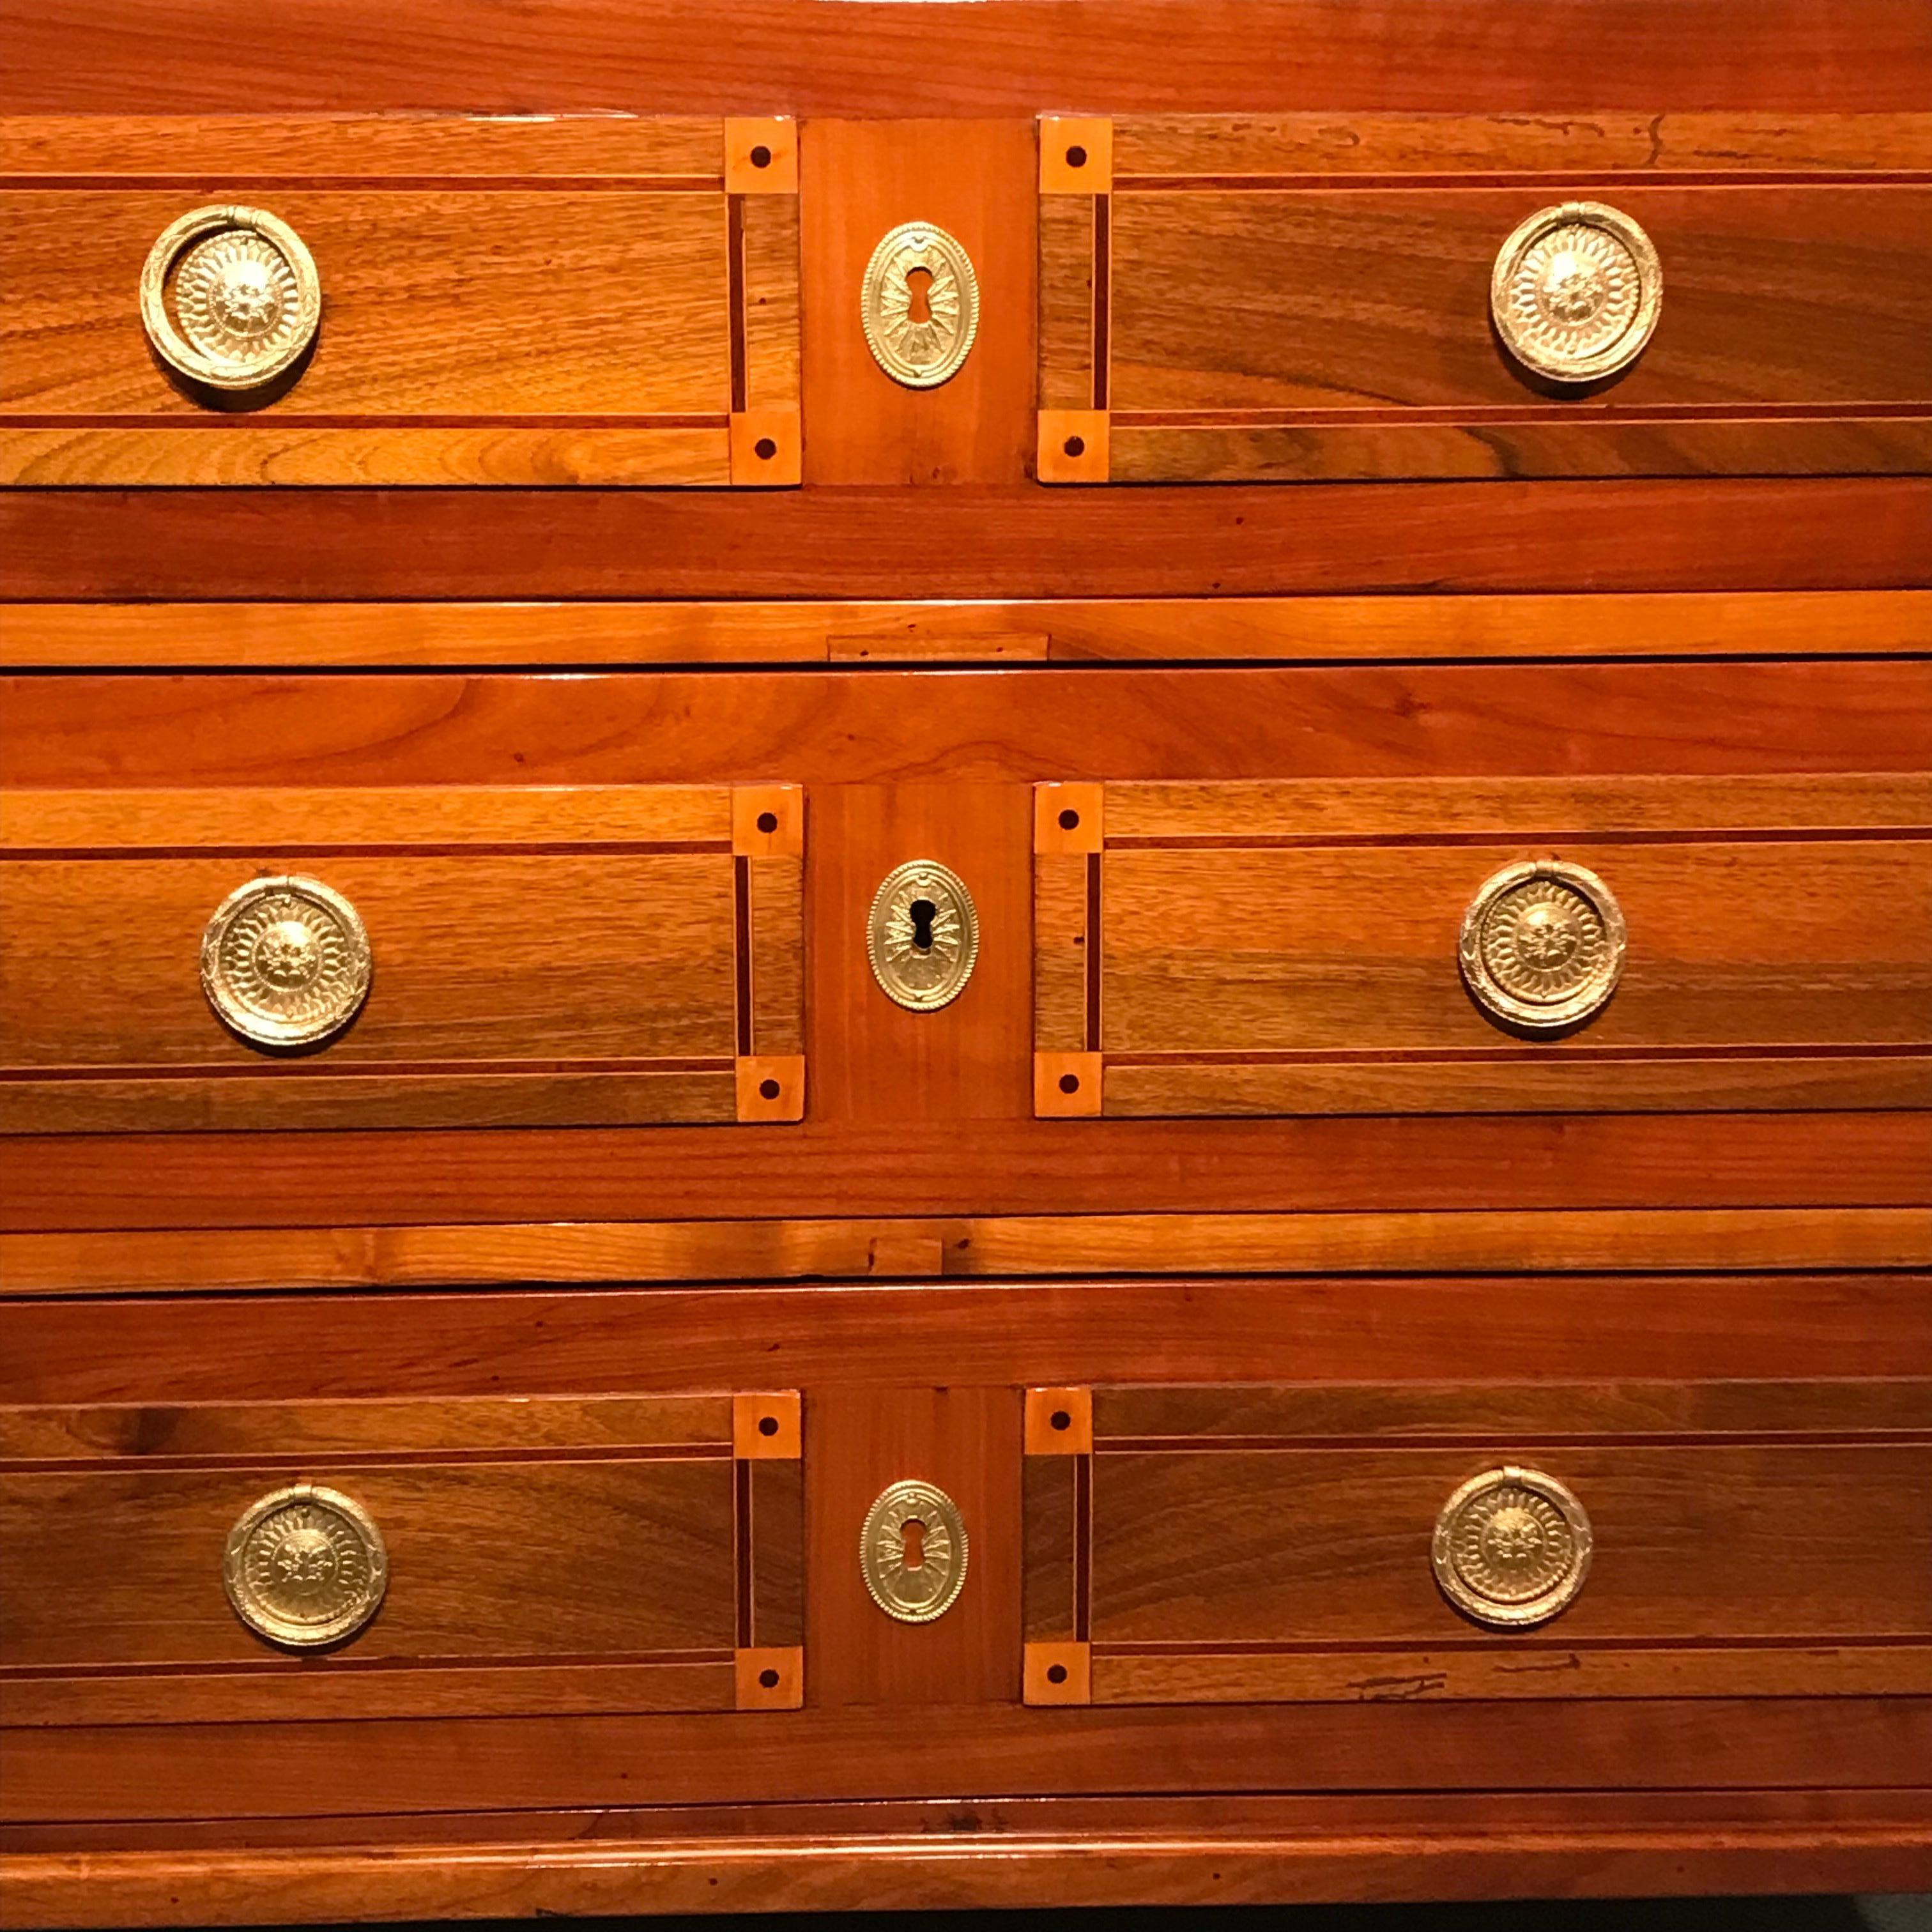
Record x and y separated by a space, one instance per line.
421 957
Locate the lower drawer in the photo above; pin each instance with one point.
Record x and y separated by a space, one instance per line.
1509 1541
467 1557
1283 1535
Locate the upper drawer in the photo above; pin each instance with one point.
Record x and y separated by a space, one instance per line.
429 957
451 1557
606 300
1468 945
1315 297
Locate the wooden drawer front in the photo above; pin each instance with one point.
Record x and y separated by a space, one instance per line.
1309 297
606 954
604 301
591 1554
1293 948
1210 1543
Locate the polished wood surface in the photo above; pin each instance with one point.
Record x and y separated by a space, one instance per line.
1227 310
1118 1852
1225 56
1011 540
683 1561
614 766
232 636
1274 1542
676 914
495 251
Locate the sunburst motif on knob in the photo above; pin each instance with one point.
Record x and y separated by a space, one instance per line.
1512 1547
230 298
305 1566
1577 291
1542 945
285 961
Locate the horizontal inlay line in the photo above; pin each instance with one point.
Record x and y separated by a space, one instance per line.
239 1463
231 183
1318 182
1502 834
309 1067
218 421
1522 1440
356 1667
1478 416
1565 1053
1524 1645
279 848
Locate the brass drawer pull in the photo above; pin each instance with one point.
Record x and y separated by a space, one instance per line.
1512 1548
305 1567
1576 292
919 304
230 298
1542 945
922 935
285 961
912 1552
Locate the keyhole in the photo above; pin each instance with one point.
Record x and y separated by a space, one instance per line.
912 1544
922 912
919 281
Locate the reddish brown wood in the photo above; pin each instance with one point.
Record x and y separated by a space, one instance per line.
851 1858
966 1440
975 179
869 727
1014 540
112 1773
877 1337
791 56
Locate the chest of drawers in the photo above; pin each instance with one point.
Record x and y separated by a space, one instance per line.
965 956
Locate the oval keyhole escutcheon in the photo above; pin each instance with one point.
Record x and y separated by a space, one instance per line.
912 1552
922 935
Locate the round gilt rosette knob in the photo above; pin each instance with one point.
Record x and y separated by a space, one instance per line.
1542 945
305 1567
919 305
1512 1548
285 961
1576 292
230 298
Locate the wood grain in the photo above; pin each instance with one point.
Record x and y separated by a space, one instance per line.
1008 540
975 179
435 389
1427 1173
120 147
1632 444
1081 1857
466 950
1353 1324
1346 811
1408 1676
931 735
265 817
137 1262
1134 55
966 1440
1694 1542
1817 623
79 351
1167 146
107 1774
1849 266
1354 949
476 1552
